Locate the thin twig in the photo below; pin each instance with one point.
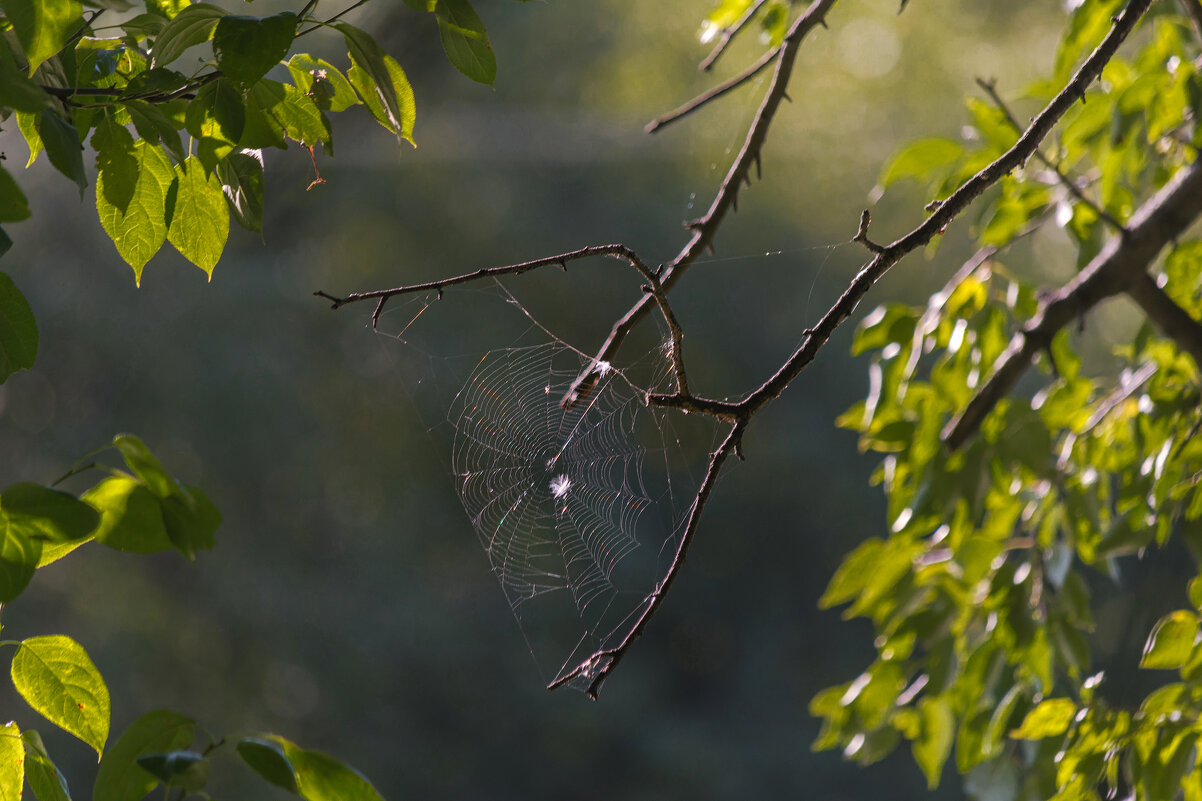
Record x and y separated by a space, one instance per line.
1193 9
332 19
990 88
1116 269
705 228
714 93
730 33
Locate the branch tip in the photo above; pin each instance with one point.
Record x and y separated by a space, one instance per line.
862 234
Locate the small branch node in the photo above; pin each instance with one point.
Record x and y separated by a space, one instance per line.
862 234
375 315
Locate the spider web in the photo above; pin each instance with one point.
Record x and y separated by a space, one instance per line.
575 509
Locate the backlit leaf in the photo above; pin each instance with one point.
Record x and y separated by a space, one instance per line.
12 762
380 82
934 743
42 26
55 676
1049 719
13 205
201 223
1171 641
139 227
190 27
46 514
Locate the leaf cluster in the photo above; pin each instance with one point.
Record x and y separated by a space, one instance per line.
980 594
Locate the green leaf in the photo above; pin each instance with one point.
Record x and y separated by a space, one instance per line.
61 141
465 40
131 518
933 745
131 200
310 774
55 677
53 551
853 574
216 117
267 759
13 205
201 223
247 47
241 177
157 81
322 82
186 769
154 126
1195 592
21 94
47 514
19 556
190 27
42 26
1171 641
381 82
1048 719
44 777
12 762
922 159
191 520
119 777
18 330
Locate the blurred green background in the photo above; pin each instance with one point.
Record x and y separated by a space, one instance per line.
348 605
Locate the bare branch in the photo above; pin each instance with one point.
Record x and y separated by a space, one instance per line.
1121 265
382 295
714 93
729 34
597 667
990 88
706 227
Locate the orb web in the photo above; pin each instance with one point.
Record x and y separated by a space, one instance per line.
559 498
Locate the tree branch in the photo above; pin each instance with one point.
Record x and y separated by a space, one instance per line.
597 667
706 227
990 88
729 34
1172 320
1120 266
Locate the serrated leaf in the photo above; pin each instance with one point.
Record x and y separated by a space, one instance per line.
217 117
119 777
1171 641
138 228
13 205
44 777
18 330
247 47
155 127
131 518
55 676
12 762
190 27
1049 719
465 40
241 177
42 26
201 223
380 82
934 743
